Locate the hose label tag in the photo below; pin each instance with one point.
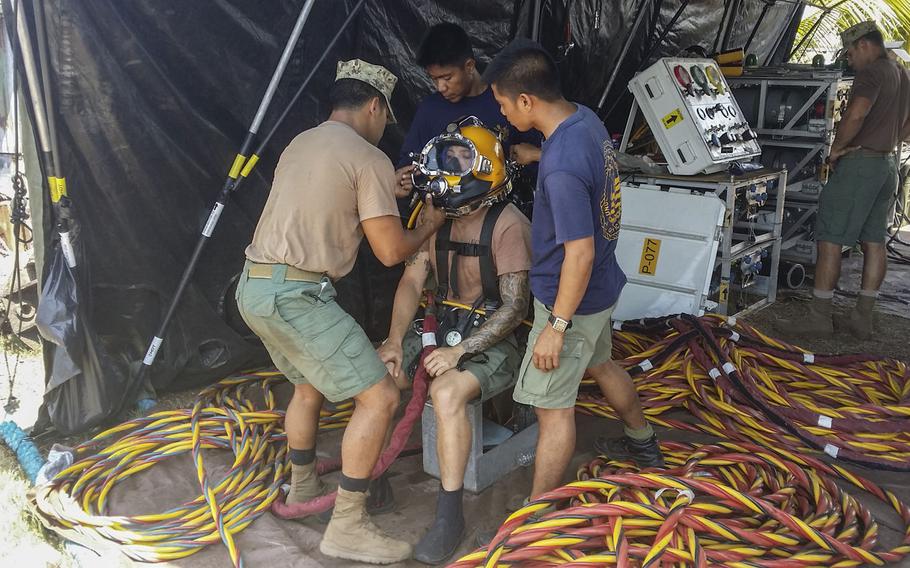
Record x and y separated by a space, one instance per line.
153 351
213 219
729 368
734 337
824 421
831 450
617 325
646 365
808 358
428 339
731 321
714 373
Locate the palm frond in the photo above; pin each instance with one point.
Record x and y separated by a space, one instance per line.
892 16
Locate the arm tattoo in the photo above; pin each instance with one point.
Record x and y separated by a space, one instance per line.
415 259
516 295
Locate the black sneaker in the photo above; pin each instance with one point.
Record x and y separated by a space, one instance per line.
645 454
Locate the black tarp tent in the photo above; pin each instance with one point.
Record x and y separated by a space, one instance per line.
151 98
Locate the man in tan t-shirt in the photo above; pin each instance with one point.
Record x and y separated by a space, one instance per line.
332 186
496 359
856 201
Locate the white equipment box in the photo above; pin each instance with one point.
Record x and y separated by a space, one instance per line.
693 115
667 246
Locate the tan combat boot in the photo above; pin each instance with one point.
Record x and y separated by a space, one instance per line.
305 484
860 321
817 323
351 534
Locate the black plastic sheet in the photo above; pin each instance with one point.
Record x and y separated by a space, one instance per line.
85 387
153 97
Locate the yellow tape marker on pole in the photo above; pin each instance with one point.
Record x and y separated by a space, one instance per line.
57 188
237 166
250 165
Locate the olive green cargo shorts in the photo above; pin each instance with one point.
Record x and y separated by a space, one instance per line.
309 337
855 203
588 343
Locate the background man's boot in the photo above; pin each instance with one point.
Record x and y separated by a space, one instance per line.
816 323
351 534
861 319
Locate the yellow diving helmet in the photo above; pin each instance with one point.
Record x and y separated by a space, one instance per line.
464 169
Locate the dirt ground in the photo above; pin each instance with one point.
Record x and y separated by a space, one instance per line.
892 339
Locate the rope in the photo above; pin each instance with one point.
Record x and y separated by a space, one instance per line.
727 504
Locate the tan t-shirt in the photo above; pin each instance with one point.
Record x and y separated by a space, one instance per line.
887 84
511 249
327 181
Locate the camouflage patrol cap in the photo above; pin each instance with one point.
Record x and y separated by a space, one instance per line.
375 76
853 33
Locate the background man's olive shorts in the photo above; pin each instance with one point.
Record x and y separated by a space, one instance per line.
588 343
856 201
309 337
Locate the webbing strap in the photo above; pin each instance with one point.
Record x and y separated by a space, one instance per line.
447 271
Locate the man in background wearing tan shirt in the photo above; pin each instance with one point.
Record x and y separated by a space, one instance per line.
855 203
332 186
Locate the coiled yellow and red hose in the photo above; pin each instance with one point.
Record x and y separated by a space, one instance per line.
727 504
738 384
225 418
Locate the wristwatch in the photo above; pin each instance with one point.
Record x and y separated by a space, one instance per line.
558 323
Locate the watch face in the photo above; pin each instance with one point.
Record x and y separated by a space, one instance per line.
453 338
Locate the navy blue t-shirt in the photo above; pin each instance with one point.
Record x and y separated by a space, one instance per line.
434 113
577 196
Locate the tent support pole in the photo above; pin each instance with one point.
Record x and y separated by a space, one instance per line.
239 165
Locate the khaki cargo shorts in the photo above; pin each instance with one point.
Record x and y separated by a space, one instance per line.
588 343
855 203
494 369
309 337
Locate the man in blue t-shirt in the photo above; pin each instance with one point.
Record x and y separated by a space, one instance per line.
448 58
574 275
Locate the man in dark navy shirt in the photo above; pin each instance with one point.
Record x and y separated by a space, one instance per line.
448 58
574 275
